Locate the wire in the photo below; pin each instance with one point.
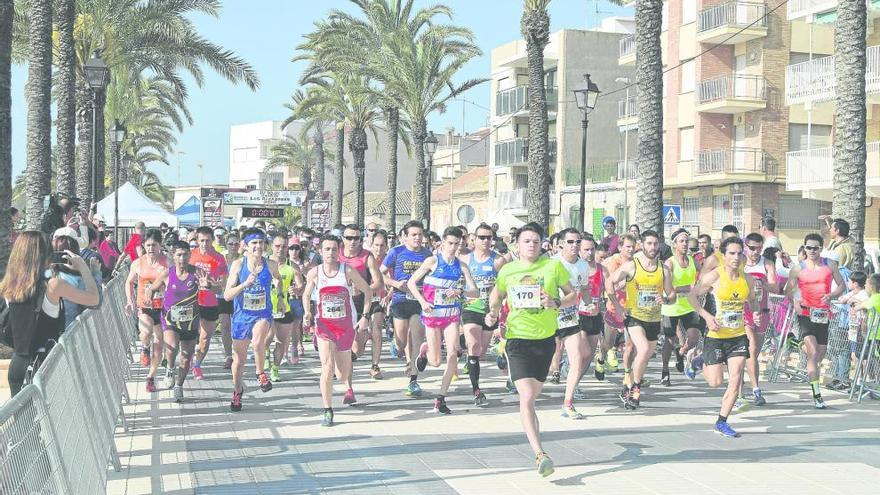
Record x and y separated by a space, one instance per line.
495 128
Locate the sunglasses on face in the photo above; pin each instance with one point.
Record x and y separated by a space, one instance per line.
371 230
753 247
694 250
293 248
812 248
572 241
352 238
484 237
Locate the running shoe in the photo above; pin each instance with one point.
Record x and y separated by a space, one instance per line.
501 362
354 357
413 389
178 393
759 398
265 383
599 371
579 394
741 405
570 412
624 394
545 464
228 364
679 360
422 360
327 420
465 369
691 373
168 381
393 351
235 405
151 384
267 363
819 403
511 388
349 398
375 372
274 374
480 398
554 377
646 382
145 358
722 428
197 373
665 380
611 359
440 407
635 396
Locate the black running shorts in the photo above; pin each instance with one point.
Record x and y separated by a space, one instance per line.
224 307
529 358
154 314
817 330
690 320
652 328
718 351
405 309
209 313
470 317
592 325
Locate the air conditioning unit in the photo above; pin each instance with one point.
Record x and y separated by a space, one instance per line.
739 119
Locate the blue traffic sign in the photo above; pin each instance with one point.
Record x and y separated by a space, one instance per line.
672 214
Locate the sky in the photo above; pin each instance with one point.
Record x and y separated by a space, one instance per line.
265 33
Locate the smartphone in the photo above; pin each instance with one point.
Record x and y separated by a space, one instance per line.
59 258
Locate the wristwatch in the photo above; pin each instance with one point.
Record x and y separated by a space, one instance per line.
557 301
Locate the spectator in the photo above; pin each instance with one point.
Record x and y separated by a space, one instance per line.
610 239
25 289
109 252
768 230
131 249
90 254
842 244
69 275
704 242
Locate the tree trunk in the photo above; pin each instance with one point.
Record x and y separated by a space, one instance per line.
420 201
6 14
84 145
392 117
319 153
100 146
39 116
535 27
649 81
65 133
358 146
340 168
850 153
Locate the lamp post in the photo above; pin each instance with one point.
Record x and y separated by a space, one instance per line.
98 76
586 102
117 136
430 146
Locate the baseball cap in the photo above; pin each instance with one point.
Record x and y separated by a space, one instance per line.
609 219
99 218
294 241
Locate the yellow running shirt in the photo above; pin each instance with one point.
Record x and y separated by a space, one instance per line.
730 301
642 291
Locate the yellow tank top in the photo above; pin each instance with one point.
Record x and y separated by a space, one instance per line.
642 291
730 300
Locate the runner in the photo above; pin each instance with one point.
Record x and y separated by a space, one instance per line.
813 278
283 316
213 264
531 284
362 261
296 258
726 341
763 271
483 264
224 307
590 304
249 285
440 300
335 319
648 285
379 248
180 313
145 270
613 319
399 265
680 321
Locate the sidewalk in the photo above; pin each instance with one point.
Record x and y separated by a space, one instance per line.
389 444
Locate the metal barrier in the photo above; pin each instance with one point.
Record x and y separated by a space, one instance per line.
56 435
867 373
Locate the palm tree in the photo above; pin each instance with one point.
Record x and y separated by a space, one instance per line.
535 27
6 15
299 153
850 152
65 131
39 116
649 85
316 120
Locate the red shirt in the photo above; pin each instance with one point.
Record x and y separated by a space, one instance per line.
214 264
131 247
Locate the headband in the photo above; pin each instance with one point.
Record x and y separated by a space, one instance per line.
678 233
255 236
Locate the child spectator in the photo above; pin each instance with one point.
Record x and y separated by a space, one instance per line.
856 296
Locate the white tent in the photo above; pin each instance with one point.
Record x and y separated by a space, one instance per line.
134 207
505 220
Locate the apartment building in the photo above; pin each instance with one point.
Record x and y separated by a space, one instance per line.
570 54
249 149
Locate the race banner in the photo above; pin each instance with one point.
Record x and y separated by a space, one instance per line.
260 197
319 214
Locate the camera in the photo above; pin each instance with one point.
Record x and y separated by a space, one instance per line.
59 258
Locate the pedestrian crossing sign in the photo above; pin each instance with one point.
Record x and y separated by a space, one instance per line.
672 214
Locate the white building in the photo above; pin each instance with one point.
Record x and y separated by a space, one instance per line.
249 146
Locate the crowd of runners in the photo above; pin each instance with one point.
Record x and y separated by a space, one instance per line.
544 304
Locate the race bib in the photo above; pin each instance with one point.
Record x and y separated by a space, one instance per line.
590 306
254 301
568 317
759 291
730 319
332 308
646 298
819 315
278 315
853 333
376 299
525 296
148 287
182 314
441 298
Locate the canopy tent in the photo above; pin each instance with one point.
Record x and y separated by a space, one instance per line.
505 220
188 213
134 207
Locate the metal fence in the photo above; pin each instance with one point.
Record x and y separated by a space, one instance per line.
56 435
866 379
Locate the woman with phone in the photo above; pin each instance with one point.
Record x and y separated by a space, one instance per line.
60 245
34 299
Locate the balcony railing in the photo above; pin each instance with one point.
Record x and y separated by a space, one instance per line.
516 151
516 99
803 8
733 14
627 45
808 169
734 86
628 108
815 80
627 170
515 198
732 161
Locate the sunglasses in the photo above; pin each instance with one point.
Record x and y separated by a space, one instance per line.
812 248
371 230
753 247
694 250
352 238
293 248
572 241
484 237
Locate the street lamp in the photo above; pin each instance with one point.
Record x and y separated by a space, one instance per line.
117 136
430 147
586 101
98 77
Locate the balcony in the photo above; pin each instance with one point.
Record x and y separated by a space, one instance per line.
627 170
735 93
516 200
516 152
628 113
812 171
515 101
627 55
738 162
814 81
804 8
732 22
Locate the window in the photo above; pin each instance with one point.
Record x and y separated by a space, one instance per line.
819 136
688 76
574 217
509 152
737 211
244 154
688 11
466 214
520 181
266 147
690 212
796 212
720 211
550 79
686 144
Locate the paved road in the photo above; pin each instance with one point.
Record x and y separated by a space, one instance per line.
389 444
